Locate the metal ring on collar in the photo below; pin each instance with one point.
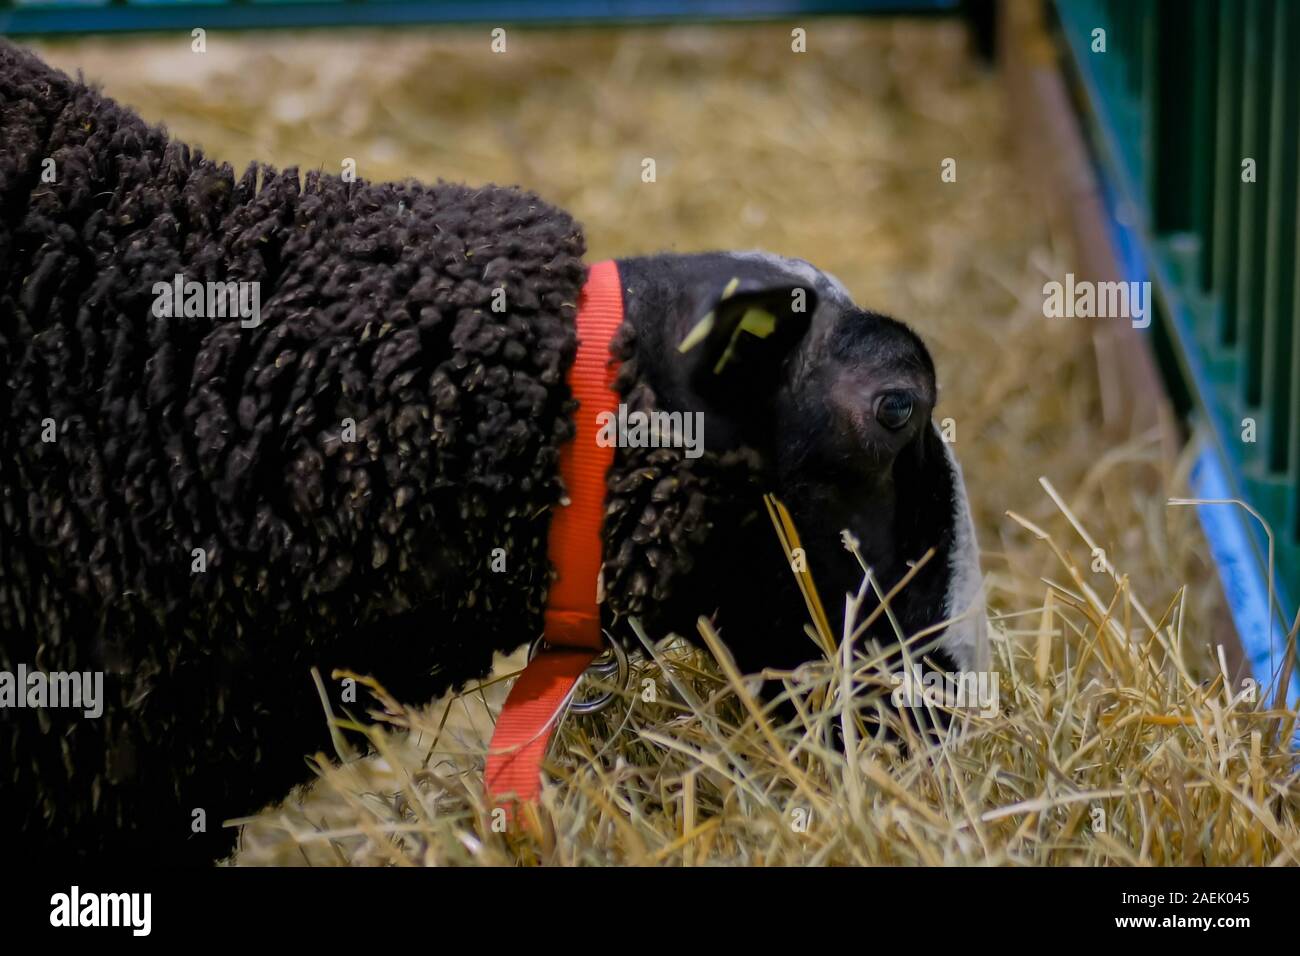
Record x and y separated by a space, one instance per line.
610 663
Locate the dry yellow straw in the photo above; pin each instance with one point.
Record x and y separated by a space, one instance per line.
789 536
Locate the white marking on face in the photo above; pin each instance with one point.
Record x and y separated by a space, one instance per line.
966 639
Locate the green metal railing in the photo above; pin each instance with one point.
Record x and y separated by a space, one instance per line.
25 17
1194 106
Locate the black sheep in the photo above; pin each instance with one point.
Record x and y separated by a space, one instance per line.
363 474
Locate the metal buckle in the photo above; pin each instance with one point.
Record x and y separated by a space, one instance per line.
610 663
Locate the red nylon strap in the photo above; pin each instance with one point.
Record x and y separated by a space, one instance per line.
572 620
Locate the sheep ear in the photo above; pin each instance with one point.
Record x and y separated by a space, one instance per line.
737 349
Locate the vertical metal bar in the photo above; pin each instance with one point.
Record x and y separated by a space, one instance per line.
1205 80
1135 46
1129 29
1280 245
1293 456
1147 17
1253 219
1172 155
1227 169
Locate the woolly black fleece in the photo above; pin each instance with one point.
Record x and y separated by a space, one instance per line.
183 435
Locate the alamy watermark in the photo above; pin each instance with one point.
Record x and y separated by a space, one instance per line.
133 911
624 429
82 691
957 690
1102 300
191 299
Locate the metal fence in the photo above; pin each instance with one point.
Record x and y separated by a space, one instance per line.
1195 110
97 16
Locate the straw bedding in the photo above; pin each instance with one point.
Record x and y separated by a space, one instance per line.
1123 735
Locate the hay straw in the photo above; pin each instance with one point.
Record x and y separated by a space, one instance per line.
793 548
1181 770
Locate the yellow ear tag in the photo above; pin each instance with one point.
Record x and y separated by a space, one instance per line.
697 335
757 322
703 327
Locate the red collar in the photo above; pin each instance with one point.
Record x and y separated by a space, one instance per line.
572 620
572 614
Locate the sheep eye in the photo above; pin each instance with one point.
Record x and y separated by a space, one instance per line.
894 410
